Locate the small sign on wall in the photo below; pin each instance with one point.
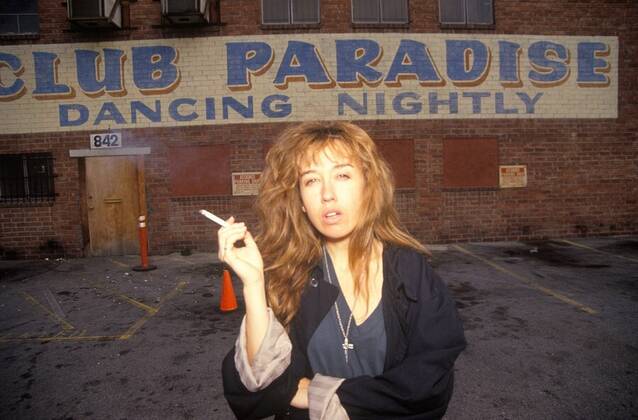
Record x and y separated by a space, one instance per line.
106 140
245 183
512 176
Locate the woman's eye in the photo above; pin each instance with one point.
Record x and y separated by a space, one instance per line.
343 175
310 181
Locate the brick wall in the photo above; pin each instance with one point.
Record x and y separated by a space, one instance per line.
582 174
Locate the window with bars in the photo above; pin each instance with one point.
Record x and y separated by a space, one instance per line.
380 11
26 178
19 17
283 12
466 12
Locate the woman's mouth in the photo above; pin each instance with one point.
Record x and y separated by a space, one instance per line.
331 217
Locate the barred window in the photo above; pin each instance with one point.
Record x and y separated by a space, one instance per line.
289 11
466 12
26 178
19 17
380 11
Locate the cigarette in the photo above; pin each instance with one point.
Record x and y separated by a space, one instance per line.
214 218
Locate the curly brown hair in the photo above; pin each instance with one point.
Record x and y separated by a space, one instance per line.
289 244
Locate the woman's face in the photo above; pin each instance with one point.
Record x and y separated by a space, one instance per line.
331 189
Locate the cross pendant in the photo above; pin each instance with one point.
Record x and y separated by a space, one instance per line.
346 346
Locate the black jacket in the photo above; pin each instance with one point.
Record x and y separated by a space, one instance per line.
424 337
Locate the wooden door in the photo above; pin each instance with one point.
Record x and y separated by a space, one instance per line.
112 203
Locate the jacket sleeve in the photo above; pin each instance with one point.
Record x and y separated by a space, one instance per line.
421 385
252 395
271 359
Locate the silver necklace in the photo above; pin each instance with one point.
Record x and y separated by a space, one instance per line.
347 345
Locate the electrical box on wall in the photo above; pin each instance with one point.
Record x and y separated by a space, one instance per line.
179 12
95 13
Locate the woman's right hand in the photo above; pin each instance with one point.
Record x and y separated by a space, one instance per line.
245 261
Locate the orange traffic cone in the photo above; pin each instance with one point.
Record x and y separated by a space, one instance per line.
227 300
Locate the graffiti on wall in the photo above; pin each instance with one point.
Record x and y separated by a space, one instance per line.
220 80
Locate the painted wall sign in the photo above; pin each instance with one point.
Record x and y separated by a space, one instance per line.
245 183
512 176
217 80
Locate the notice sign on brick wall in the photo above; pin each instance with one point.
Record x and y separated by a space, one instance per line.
246 183
298 77
512 176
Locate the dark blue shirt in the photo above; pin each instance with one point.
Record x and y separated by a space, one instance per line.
325 349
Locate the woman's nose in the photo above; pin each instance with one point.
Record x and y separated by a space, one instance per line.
327 192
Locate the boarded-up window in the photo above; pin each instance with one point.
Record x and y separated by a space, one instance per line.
400 156
470 163
200 170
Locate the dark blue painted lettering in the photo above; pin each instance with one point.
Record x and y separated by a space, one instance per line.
154 115
435 102
109 112
347 100
244 59
173 109
66 119
87 71
154 69
228 102
530 103
407 108
276 106
476 100
500 105
45 67
355 61
15 66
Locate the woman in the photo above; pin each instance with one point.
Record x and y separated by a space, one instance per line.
344 316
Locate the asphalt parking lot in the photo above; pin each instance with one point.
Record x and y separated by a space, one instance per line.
552 328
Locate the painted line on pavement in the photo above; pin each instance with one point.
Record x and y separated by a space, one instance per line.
79 335
596 250
33 301
530 283
127 299
140 322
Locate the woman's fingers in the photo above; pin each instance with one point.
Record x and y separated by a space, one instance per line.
228 236
232 238
237 248
248 239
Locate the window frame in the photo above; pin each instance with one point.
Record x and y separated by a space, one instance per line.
24 182
465 24
291 16
381 21
17 16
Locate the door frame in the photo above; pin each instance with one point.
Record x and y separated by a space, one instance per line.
82 154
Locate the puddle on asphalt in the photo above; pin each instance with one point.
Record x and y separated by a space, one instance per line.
621 246
16 271
552 253
465 295
207 269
